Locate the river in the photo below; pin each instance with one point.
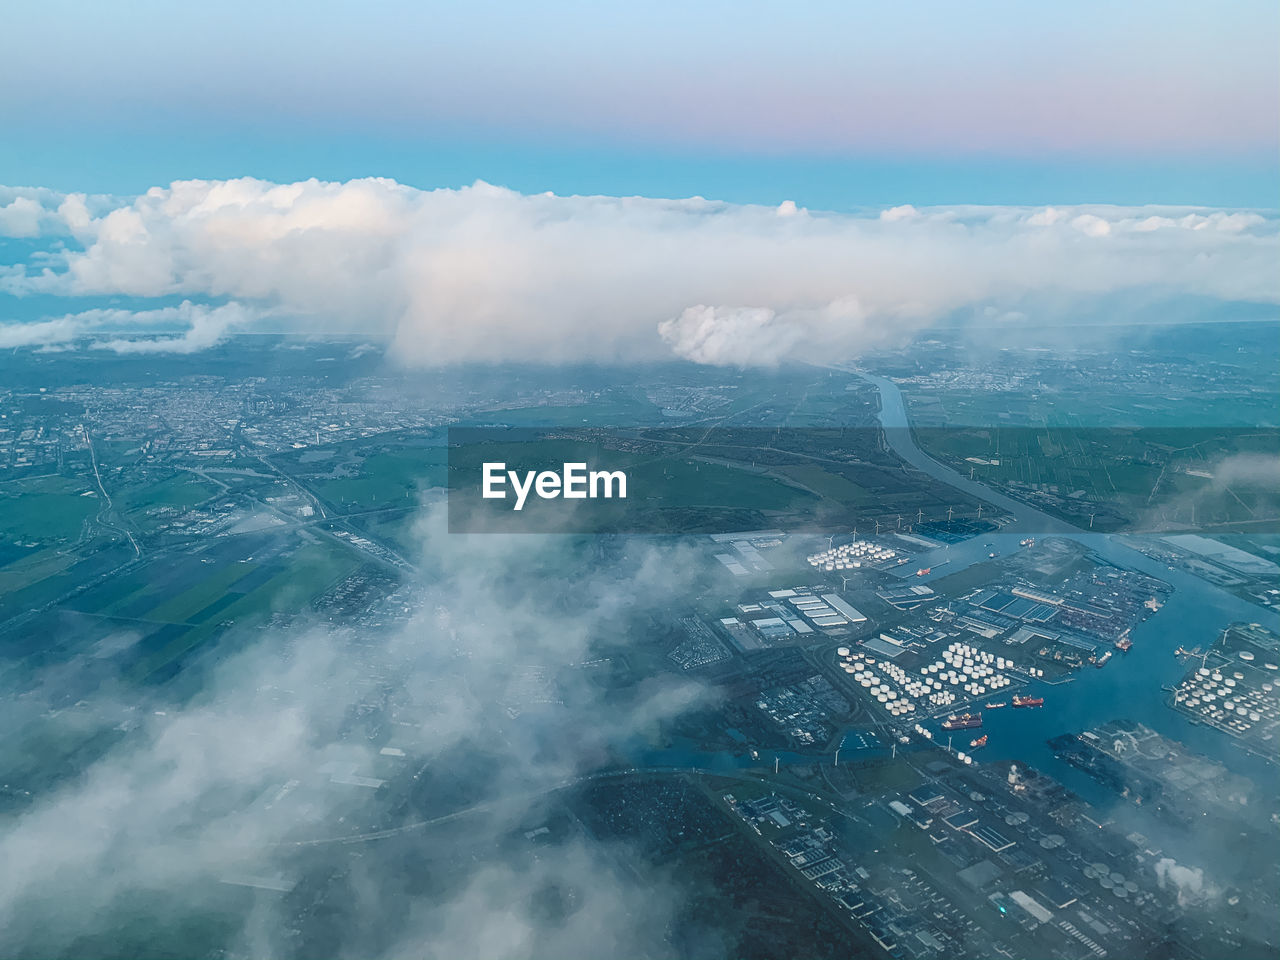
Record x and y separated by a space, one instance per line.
1130 685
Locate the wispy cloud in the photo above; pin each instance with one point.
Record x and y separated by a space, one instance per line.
198 327
222 786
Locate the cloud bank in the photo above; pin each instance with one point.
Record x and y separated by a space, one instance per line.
487 274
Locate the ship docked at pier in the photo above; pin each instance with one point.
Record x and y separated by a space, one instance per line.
962 721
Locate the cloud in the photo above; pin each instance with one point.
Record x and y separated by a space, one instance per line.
760 337
487 274
904 212
205 327
1091 225
20 218
1188 882
1246 470
743 336
41 333
31 212
223 785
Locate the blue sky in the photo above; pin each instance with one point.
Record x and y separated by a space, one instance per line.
830 104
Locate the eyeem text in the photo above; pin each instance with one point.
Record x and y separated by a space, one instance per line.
573 482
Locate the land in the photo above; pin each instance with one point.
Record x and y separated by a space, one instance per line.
155 525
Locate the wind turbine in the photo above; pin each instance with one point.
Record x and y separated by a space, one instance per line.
949 509
844 583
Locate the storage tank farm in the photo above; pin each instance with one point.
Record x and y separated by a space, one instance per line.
852 556
962 672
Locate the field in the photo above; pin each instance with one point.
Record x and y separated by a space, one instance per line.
50 542
1124 479
385 479
1088 409
610 411
45 509
178 603
386 472
147 502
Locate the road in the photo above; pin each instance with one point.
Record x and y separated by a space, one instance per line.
107 507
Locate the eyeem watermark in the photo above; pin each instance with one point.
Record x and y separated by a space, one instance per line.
688 479
573 482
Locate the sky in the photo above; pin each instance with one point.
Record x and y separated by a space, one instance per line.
491 181
832 105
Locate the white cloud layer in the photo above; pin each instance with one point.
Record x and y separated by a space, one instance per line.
484 273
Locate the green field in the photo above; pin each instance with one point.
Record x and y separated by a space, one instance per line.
697 483
51 513
386 479
45 509
30 566
184 607
1188 476
177 492
182 601
28 585
829 485
619 410
1086 409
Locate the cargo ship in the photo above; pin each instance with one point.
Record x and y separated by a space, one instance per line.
995 706
1027 701
962 721
1102 660
1123 644
979 743
1029 542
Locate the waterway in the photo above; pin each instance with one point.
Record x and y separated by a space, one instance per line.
1129 686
